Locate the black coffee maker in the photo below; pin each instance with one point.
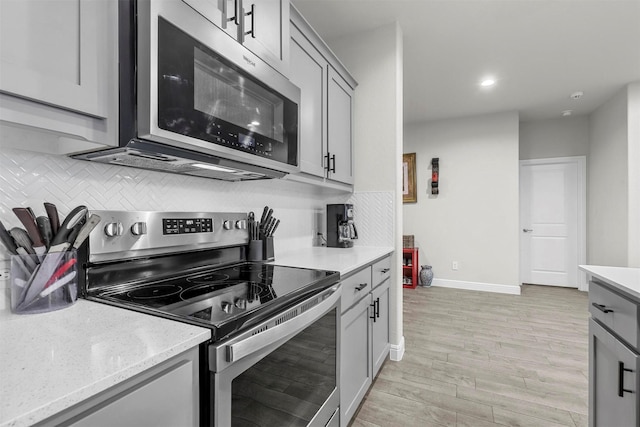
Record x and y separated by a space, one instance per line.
341 230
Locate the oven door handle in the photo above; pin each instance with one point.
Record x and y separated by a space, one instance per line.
286 330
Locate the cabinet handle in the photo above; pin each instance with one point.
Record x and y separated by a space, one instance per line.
384 270
602 308
328 162
621 371
333 168
361 286
377 308
252 14
234 18
373 315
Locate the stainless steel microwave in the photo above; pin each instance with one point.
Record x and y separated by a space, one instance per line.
194 101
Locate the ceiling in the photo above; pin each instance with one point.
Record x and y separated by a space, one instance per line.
539 51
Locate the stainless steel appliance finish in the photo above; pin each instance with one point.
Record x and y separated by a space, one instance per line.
341 227
274 354
194 101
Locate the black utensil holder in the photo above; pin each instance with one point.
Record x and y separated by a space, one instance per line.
267 249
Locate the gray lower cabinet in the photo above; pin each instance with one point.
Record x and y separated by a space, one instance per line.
380 343
364 333
614 361
165 395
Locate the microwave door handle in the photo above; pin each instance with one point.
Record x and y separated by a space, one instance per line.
283 331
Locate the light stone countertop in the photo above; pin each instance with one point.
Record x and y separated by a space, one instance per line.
344 260
625 279
51 361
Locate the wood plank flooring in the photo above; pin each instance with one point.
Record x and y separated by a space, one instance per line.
481 359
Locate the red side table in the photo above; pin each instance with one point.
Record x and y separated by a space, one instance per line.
410 268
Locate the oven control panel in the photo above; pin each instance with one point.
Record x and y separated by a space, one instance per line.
133 234
187 225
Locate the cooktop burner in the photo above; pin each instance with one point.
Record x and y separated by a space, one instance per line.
208 278
222 294
154 292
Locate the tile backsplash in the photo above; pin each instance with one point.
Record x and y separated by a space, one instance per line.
29 179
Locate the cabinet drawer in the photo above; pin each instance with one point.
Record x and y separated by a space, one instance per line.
381 271
616 312
355 287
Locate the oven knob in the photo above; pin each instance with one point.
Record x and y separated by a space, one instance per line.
139 228
228 225
113 229
241 225
241 303
227 306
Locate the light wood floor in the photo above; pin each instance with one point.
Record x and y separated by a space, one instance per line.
482 359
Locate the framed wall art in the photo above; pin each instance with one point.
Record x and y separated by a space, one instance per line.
409 193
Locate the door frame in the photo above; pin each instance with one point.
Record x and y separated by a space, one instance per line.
581 162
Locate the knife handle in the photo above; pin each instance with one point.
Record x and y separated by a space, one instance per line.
29 223
52 213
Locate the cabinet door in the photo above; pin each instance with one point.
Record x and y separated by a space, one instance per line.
613 380
53 52
380 345
355 359
221 13
340 128
265 31
309 73
164 395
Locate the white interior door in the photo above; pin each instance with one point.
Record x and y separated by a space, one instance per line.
551 221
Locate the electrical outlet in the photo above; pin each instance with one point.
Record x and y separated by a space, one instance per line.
4 274
454 265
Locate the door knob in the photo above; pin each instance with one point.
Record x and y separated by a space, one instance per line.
527 230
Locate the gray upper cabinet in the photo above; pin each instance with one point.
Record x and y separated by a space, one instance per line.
262 26
58 76
50 52
309 73
326 118
340 128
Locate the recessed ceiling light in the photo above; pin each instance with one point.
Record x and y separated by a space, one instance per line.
566 113
487 82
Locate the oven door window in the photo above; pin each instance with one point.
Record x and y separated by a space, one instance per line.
203 96
289 386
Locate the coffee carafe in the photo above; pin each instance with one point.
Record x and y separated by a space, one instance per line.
341 229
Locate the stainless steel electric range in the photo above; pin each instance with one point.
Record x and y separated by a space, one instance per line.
274 354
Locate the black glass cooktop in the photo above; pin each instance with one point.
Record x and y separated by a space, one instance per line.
223 298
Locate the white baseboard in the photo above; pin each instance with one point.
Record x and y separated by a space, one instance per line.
477 286
397 351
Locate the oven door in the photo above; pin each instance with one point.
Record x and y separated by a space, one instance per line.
283 372
200 90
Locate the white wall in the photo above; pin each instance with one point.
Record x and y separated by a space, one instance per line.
607 184
563 137
374 58
633 115
474 219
